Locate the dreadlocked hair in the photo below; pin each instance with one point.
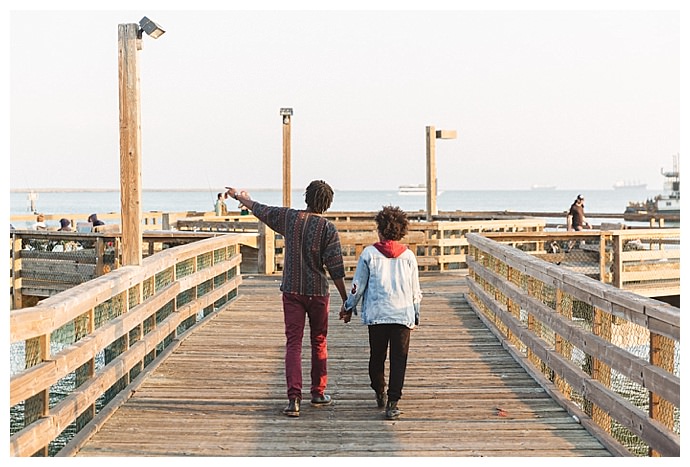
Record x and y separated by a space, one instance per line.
392 223
318 196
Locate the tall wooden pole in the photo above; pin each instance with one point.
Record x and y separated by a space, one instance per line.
286 116
431 209
129 43
432 134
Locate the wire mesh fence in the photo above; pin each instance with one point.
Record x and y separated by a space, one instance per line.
532 299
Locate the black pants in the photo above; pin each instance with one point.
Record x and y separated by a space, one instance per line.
380 336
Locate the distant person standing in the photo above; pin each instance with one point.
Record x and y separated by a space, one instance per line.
387 282
220 206
576 216
312 247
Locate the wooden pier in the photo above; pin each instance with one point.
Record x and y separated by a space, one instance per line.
183 355
222 390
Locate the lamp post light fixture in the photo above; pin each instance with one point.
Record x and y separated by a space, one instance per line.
431 182
150 28
286 114
129 43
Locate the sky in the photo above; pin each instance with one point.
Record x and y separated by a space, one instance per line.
579 96
576 94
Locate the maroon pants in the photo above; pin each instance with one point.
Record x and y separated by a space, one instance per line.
295 310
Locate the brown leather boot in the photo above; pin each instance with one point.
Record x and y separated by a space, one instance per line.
292 409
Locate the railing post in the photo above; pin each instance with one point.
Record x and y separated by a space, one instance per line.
564 307
603 272
601 326
87 371
99 250
37 406
662 355
617 279
16 272
513 308
267 249
532 323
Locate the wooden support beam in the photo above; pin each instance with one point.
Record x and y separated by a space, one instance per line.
129 42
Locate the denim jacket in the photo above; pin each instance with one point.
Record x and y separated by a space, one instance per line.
388 287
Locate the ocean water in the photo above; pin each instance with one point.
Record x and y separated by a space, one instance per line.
596 202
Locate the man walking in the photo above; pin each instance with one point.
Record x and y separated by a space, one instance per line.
312 246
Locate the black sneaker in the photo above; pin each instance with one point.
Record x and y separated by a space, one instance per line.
392 411
381 400
321 400
292 409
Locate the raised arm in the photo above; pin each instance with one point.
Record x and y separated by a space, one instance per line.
241 196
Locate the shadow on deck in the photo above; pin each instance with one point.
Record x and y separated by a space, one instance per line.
221 392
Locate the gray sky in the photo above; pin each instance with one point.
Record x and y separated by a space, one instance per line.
578 99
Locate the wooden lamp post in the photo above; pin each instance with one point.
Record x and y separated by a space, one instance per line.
286 116
129 43
431 182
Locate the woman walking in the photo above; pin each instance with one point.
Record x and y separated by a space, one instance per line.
387 282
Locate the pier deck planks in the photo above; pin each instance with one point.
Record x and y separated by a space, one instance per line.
222 391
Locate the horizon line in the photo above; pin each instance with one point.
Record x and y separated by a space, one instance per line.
109 190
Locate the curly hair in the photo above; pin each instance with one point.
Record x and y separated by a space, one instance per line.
318 196
392 223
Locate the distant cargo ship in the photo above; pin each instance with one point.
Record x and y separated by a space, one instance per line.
629 185
544 187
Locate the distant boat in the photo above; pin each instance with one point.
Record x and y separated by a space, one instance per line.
406 190
543 187
629 185
412 189
665 205
669 201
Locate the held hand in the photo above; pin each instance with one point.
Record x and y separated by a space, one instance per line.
344 314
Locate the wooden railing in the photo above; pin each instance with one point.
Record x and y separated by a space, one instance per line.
96 338
43 263
611 357
158 220
152 220
74 354
439 245
644 261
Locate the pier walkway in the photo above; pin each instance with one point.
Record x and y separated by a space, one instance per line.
222 389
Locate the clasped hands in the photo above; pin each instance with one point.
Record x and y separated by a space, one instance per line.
345 315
